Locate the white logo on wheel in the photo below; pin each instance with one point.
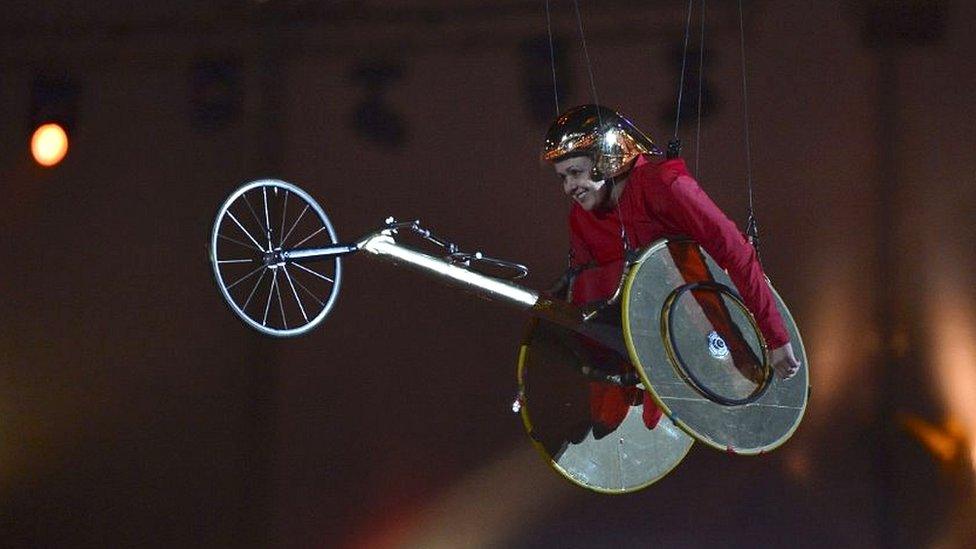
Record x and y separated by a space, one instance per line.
717 346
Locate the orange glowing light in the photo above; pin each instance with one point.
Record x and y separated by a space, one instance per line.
945 442
49 144
952 322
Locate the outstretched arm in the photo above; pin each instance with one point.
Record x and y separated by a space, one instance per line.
687 205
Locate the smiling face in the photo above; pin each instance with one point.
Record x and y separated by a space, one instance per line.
577 184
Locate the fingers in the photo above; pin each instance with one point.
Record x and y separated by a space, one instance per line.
785 364
786 368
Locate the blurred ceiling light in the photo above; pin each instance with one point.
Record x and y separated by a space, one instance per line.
944 442
49 144
972 456
840 342
951 321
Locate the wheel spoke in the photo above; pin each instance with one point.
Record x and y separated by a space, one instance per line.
235 261
274 282
267 220
246 232
295 293
284 212
309 292
243 278
294 225
304 240
253 290
254 214
322 276
281 304
235 241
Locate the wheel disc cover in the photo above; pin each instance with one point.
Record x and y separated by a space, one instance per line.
555 413
768 417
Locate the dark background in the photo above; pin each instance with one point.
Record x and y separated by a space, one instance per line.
135 410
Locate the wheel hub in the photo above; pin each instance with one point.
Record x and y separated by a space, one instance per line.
273 259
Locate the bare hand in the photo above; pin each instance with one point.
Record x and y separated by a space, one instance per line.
784 363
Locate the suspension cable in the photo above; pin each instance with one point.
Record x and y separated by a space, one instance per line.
589 69
599 114
752 225
681 80
586 55
552 59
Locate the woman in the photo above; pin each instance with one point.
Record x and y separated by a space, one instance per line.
626 196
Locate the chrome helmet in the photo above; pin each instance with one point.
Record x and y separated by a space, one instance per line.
612 141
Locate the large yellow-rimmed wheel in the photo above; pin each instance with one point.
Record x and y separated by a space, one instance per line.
700 353
554 393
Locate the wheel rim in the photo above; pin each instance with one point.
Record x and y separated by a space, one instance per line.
280 298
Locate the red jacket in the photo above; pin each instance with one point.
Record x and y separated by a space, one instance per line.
663 200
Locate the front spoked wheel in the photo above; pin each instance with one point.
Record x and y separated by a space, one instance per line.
278 297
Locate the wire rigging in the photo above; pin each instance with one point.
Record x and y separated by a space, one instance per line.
681 80
586 55
552 58
752 225
745 104
596 100
674 147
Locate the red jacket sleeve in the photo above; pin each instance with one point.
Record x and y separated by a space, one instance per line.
689 208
